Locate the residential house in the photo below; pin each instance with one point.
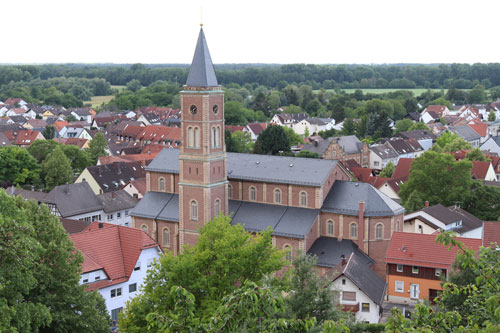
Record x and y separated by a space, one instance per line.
136 188
255 129
483 171
16 112
381 155
391 187
313 125
15 101
424 137
111 177
428 117
150 119
19 120
467 133
431 219
23 138
409 148
288 119
481 129
76 201
362 291
75 132
4 140
341 148
74 226
492 145
491 234
115 262
116 206
35 124
416 265
83 114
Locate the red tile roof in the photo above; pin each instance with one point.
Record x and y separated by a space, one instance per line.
362 174
438 109
480 169
79 142
491 233
152 148
23 137
481 128
113 248
13 101
422 250
257 127
233 129
403 168
110 159
139 184
59 125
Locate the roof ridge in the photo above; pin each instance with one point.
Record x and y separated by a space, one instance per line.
165 206
121 251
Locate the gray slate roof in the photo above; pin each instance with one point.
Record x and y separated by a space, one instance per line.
364 278
73 199
283 220
158 205
255 217
384 151
260 168
4 141
202 72
111 177
350 144
317 146
417 135
344 198
449 215
117 201
329 250
466 132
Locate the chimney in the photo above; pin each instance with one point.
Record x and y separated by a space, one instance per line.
316 143
101 225
343 260
426 203
113 194
361 226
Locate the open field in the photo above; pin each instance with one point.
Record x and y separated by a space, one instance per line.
96 101
120 88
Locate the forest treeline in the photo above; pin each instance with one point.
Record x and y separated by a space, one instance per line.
461 76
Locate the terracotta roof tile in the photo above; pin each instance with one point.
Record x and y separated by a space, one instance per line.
113 248
480 169
491 233
422 250
403 168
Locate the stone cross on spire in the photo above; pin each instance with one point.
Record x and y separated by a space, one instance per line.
202 72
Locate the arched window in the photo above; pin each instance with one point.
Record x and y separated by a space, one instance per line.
213 137
330 227
194 210
379 231
277 196
196 137
354 230
161 184
166 237
144 228
190 137
288 253
217 207
217 136
252 193
230 191
303 199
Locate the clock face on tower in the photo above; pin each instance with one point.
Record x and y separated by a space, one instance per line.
215 109
193 109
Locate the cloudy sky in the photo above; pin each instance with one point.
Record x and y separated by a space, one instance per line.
270 31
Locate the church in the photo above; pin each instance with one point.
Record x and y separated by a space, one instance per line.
310 204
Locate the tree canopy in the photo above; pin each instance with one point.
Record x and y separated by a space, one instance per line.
272 140
40 274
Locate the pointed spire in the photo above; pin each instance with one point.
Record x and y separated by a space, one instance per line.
202 72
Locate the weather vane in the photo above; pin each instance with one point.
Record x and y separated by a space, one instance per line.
201 16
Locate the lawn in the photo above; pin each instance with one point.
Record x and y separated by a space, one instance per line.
98 100
120 88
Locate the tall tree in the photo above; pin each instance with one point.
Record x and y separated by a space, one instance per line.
388 170
224 257
450 142
43 292
49 132
272 140
17 166
57 169
242 142
97 147
437 178
40 149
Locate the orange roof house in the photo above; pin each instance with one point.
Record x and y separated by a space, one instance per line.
416 263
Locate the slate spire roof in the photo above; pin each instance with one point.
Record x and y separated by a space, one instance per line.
202 72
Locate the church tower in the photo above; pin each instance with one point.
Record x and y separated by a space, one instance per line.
202 160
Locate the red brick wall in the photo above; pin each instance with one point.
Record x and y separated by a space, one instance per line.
173 228
217 171
192 171
311 196
259 187
312 235
270 187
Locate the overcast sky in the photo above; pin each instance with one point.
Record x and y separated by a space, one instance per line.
270 31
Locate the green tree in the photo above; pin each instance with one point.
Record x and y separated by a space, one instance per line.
492 116
78 158
57 169
17 166
307 154
224 257
134 85
482 201
441 101
293 109
418 126
97 147
272 140
338 112
242 142
49 132
476 155
349 127
39 290
477 95
388 170
40 149
450 142
234 114
230 144
69 118
438 178
403 125
293 138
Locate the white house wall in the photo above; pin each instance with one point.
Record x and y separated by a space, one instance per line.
361 297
